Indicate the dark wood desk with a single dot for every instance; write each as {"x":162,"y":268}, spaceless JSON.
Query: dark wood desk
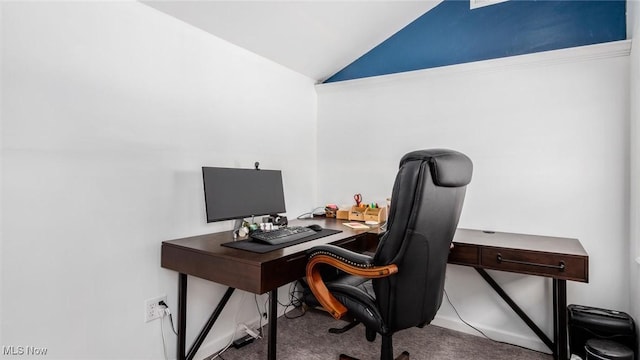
{"x":561,"y":259}
{"x":203,"y":256}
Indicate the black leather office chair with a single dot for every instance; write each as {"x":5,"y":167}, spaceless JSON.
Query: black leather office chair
{"x":409,"y":265}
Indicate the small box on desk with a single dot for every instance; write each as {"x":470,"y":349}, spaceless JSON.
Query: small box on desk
{"x":330,"y":213}
{"x":357,"y":213}
{"x":364,"y":213}
{"x":343,"y":214}
{"x":375,"y":214}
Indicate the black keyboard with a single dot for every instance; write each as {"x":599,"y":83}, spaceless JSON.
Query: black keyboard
{"x":282,"y":235}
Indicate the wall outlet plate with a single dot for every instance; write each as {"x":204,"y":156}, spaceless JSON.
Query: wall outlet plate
{"x":152,"y":310}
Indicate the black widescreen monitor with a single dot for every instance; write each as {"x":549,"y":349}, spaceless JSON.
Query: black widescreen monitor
{"x":231,"y":193}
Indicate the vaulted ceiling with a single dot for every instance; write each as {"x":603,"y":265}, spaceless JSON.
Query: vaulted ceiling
{"x":315,"y":38}
{"x":330,"y":40}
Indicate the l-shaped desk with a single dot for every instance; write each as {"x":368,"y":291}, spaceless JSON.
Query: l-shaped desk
{"x":203,"y":256}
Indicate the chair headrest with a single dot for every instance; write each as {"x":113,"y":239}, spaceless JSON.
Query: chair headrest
{"x":449,"y":168}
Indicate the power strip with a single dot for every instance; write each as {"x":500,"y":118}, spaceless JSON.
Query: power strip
{"x":243,"y":341}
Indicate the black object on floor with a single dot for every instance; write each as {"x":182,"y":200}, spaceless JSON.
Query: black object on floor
{"x":600,"y":349}
{"x":245,"y":340}
{"x":587,"y":323}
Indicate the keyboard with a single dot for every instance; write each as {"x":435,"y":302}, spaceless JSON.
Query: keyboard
{"x":282,"y":235}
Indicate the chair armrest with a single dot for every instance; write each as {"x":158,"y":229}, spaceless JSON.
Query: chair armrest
{"x":345,"y":260}
{"x":348,"y":256}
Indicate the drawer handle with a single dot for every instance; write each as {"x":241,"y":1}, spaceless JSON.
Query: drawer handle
{"x":559,"y":267}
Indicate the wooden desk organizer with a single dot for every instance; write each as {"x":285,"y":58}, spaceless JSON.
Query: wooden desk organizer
{"x":343,"y":214}
{"x":363,"y":213}
{"x":357,"y":213}
{"x":376,"y":214}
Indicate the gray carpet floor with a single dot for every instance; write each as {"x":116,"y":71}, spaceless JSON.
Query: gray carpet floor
{"x":307,"y":338}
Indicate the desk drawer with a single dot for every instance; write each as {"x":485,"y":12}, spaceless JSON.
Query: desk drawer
{"x":534,"y":263}
{"x":282,"y":271}
{"x":361,"y":244}
{"x":464,"y":255}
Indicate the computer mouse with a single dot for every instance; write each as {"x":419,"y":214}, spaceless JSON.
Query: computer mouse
{"x":315,"y":227}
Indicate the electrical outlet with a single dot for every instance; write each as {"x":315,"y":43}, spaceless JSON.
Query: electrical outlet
{"x":152,"y":310}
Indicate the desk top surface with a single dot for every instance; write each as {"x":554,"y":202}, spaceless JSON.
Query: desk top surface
{"x":547,"y":244}
{"x":204,"y":256}
{"x":211,"y":243}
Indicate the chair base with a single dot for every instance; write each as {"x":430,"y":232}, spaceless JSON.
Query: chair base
{"x":403,"y":356}
{"x":345,"y":328}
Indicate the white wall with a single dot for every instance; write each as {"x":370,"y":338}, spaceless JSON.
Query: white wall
{"x":109,"y":109}
{"x":633,"y":15}
{"x":1,"y":174}
{"x":548,"y":135}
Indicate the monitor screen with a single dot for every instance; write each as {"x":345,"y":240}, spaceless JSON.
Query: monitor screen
{"x":239,"y":193}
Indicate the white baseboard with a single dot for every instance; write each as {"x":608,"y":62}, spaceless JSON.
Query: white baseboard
{"x":528,"y":342}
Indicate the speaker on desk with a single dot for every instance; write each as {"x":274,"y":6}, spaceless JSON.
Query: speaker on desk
{"x":586,"y":323}
{"x":279,"y":220}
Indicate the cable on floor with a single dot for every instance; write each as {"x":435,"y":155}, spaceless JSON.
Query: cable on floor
{"x":216,"y":355}
{"x":260,"y":313}
{"x":164,"y":343}
{"x":233,"y":334}
{"x":294,"y":301}
{"x":482,"y":333}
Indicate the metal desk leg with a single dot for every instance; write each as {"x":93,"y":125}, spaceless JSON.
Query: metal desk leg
{"x":560,"y":319}
{"x":512,"y":304}
{"x":182,"y":320}
{"x":209,"y":324}
{"x":273,"y":324}
{"x":182,"y":316}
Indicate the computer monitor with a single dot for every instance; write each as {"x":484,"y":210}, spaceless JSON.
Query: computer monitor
{"x":232,"y":193}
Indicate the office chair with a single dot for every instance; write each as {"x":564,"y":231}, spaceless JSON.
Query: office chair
{"x":407,"y":270}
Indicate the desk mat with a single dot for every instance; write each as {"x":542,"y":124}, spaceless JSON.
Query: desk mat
{"x":262,"y":248}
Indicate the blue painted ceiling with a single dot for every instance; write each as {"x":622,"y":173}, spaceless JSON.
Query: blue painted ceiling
{"x":452,"y":33}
